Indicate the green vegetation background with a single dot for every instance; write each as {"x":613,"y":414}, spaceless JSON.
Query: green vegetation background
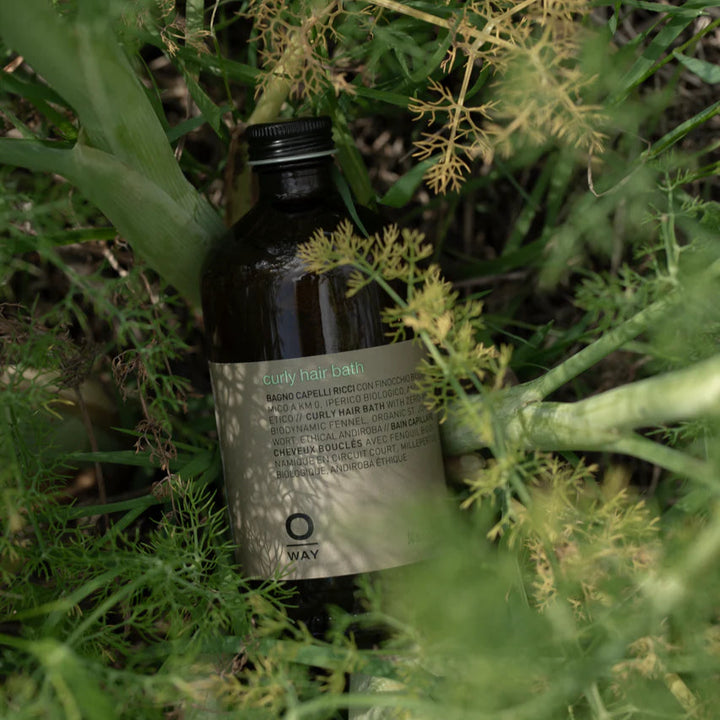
{"x":557,"y":162}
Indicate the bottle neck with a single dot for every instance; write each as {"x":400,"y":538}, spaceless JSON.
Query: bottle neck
{"x":296,"y":180}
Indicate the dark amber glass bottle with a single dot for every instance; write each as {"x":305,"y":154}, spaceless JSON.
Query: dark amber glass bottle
{"x":259,"y":302}
{"x":302,"y":379}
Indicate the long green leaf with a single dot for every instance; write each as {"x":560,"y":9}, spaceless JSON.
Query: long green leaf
{"x":194,"y":19}
{"x":645,"y":65}
{"x":83,"y":61}
{"x":41,"y":96}
{"x":327,"y":656}
{"x":218,"y":66}
{"x":138,"y":504}
{"x":383,"y":96}
{"x":351,"y":161}
{"x":212,"y":113}
{"x":167,"y":234}
{"x":56,"y":609}
{"x":706,"y":71}
{"x":531,"y":208}
{"x":678,"y":133}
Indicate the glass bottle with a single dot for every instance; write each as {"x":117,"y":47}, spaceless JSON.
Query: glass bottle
{"x":321,"y":438}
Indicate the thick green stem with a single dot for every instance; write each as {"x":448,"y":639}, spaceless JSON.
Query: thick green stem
{"x":267,"y":109}
{"x":167,"y":234}
{"x":604,"y":422}
{"x":278,"y":87}
{"x":668,"y":458}
{"x":124,"y":163}
{"x":589,"y":356}
{"x":83,"y":61}
{"x":274,"y":94}
{"x":608,"y":342}
{"x":680,"y":395}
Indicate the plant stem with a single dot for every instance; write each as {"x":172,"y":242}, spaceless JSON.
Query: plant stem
{"x":278,"y":86}
{"x":469,"y":407}
{"x":274,"y":93}
{"x":282,"y":76}
{"x":671,"y":397}
{"x":671,"y":55}
{"x":87,"y":422}
{"x":123,"y":162}
{"x":667,"y":232}
{"x":457,"y":112}
{"x":604,"y":422}
{"x":668,"y":458}
{"x":586,"y":358}
{"x":468,"y":30}
{"x":595,"y":700}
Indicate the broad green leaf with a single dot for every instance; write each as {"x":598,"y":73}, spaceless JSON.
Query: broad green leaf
{"x":194,"y":18}
{"x":35,"y":155}
{"x":169,"y":235}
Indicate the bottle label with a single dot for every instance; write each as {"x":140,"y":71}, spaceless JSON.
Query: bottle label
{"x":324,"y":458}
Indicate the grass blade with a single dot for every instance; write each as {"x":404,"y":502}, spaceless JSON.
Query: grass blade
{"x":707,"y":72}
{"x":678,"y":133}
{"x":646,"y":64}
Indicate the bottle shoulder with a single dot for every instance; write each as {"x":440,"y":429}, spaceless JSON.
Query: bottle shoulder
{"x":269,"y":234}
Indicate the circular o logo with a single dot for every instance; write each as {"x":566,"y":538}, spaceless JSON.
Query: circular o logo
{"x":299,"y":526}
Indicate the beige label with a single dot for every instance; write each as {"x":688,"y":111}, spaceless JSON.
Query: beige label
{"x":324,"y":458}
